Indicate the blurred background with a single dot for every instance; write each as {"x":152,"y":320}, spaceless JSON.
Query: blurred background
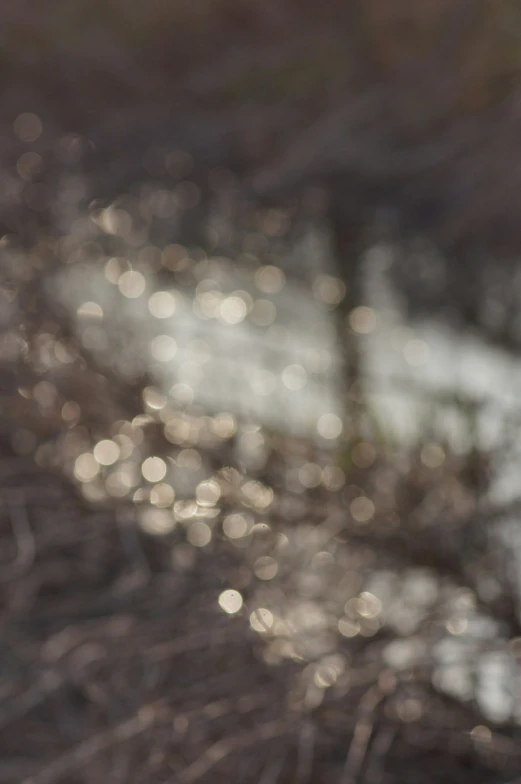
{"x":259,"y":384}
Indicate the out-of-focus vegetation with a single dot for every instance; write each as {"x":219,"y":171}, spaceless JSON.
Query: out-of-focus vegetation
{"x":412,"y":108}
{"x":221,"y":559}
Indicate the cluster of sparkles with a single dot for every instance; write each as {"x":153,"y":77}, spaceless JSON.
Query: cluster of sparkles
{"x":286,"y":510}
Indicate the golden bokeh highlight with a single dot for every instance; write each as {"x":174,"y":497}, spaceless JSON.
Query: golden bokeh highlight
{"x":230,"y":601}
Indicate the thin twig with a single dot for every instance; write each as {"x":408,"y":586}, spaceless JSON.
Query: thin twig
{"x":272,"y":771}
{"x":49,"y":683}
{"x":145,"y":718}
{"x":223,"y":748}
{"x":306,"y":748}
{"x":23,"y":536}
{"x":379,"y":751}
{"x":362,"y":735}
